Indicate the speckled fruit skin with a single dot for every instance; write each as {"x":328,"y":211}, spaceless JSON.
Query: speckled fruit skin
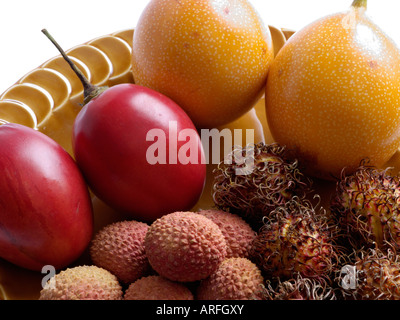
{"x":184,"y":246}
{"x":332,"y":94}
{"x":211,"y":57}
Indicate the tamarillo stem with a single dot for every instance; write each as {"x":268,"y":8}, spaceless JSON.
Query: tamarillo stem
{"x":90,"y":91}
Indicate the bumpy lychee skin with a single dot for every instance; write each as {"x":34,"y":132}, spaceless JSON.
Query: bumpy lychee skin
{"x":157,"y":288}
{"x":295,"y":239}
{"x":367,"y":206}
{"x":82,"y":283}
{"x":234,"y":279}
{"x":185,"y":246}
{"x":254,"y":180}
{"x":374,"y":275}
{"x":119,"y":248}
{"x":237,"y":232}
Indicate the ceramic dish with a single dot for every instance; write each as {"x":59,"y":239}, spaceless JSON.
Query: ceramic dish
{"x":48,"y":99}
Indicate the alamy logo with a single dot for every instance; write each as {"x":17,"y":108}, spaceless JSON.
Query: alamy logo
{"x":49,"y":281}
{"x":165,"y":150}
{"x":348,"y":277}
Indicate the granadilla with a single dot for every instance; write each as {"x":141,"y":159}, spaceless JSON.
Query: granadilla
{"x":296,"y":239}
{"x":366,"y":205}
{"x":254,"y":180}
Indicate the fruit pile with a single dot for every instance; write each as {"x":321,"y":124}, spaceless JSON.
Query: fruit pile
{"x":181,"y":255}
{"x":271,"y":232}
{"x":344,"y":250}
{"x":296,"y":251}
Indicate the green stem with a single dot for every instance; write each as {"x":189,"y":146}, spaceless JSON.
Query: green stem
{"x":89,"y":91}
{"x":360,"y":4}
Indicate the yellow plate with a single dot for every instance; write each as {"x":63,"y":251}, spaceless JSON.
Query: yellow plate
{"x":48,"y":99}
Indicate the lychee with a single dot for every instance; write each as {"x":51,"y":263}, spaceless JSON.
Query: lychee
{"x":119,"y":248}
{"x":234,"y":279}
{"x":82,"y":283}
{"x":237,"y":232}
{"x":185,"y":246}
{"x":157,"y":288}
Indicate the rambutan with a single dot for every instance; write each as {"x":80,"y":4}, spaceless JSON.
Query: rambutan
{"x":295,"y":238}
{"x":373,"y":275}
{"x":300,"y":288}
{"x":254,"y":180}
{"x":366,"y":205}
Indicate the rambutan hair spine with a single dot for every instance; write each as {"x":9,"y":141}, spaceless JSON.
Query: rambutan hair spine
{"x":366,"y":205}
{"x":275,"y":177}
{"x":299,"y":288}
{"x":296,"y":238}
{"x":370,"y":274}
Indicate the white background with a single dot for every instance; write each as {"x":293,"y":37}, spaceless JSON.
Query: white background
{"x":73,"y":22}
